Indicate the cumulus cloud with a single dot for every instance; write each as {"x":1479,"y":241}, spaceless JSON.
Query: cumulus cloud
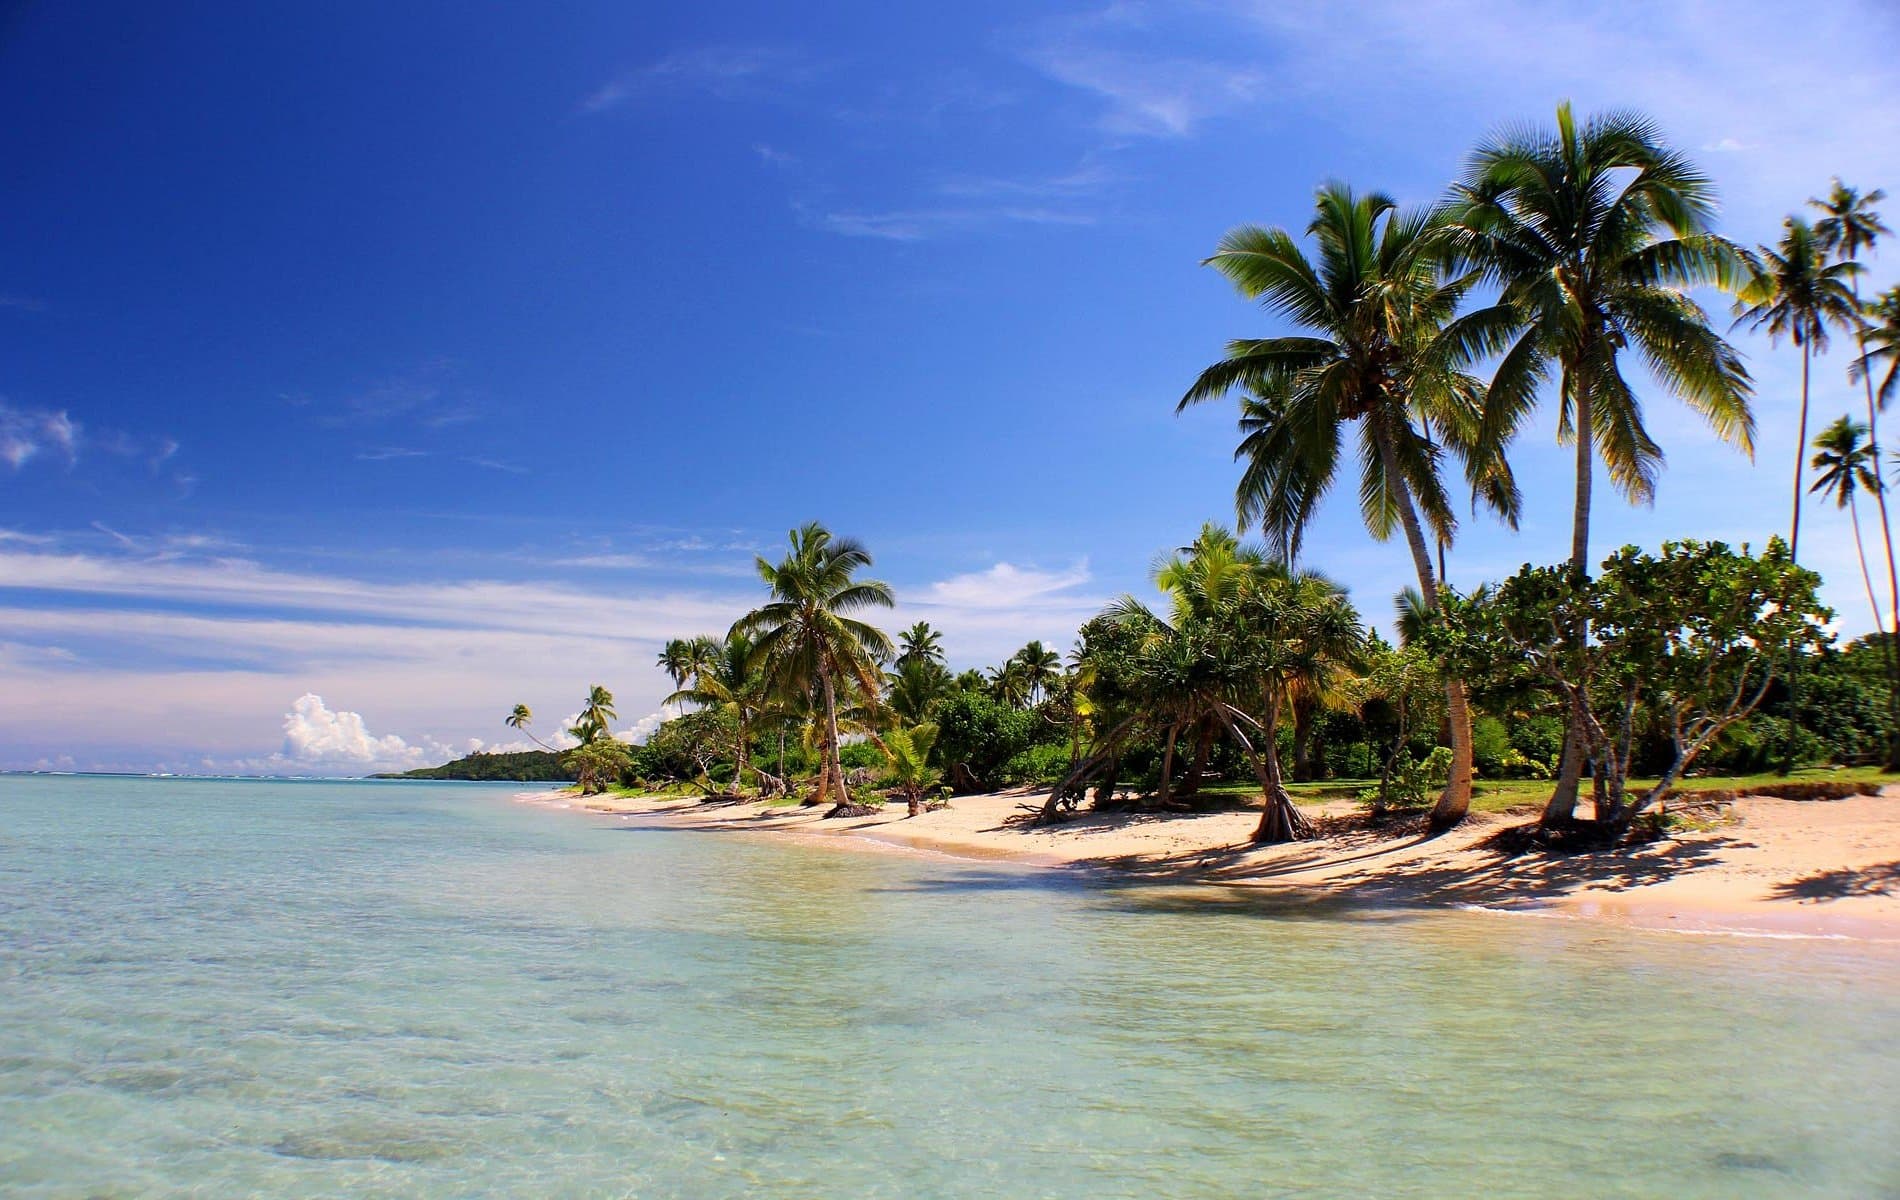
{"x":317,"y":737}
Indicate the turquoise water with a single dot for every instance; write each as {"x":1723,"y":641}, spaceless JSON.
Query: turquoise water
{"x":303,"y":989}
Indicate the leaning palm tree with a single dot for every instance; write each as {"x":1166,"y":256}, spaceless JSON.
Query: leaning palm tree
{"x":1795,"y":292}
{"x":730,"y":684}
{"x":519,"y":719}
{"x":806,"y":639}
{"x":1593,"y":233}
{"x":1369,"y":356}
{"x":1844,"y":459}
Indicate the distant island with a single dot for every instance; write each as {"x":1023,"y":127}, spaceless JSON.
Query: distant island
{"x":521,"y":766}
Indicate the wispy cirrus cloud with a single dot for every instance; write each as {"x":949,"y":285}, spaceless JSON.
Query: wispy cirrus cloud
{"x":28,"y":433}
{"x":917,"y":224}
{"x":724,"y":72}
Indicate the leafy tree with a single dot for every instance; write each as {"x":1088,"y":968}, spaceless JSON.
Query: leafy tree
{"x":598,"y":764}
{"x":977,"y":734}
{"x":1009,"y":683}
{"x":1593,"y":233}
{"x":1690,"y":640}
{"x":1370,"y":356}
{"x":806,"y":638}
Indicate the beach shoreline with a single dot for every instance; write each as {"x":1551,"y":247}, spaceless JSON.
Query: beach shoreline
{"x":1766,"y":867}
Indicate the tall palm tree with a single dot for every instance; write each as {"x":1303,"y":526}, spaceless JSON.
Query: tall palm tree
{"x":1041,"y":669}
{"x":806,"y":639}
{"x":1845,"y":462}
{"x":1593,"y":233}
{"x":920,"y":643}
{"x":1795,"y":292}
{"x":1849,"y":227}
{"x":596,"y":717}
{"x":1370,"y":356}
{"x":731,"y":684}
{"x":519,"y":719}
{"x":1882,"y":353}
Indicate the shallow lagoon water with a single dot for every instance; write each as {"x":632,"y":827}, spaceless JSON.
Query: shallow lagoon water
{"x":315,"y":989}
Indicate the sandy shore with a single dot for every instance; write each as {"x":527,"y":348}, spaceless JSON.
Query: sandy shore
{"x":1821,"y":867}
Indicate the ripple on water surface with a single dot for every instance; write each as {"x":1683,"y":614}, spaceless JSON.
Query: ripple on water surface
{"x":381,"y":989}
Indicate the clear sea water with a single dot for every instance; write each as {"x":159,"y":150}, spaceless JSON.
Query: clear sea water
{"x":311,"y":989}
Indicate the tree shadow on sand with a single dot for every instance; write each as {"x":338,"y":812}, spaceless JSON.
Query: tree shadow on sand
{"x":1881,"y":879}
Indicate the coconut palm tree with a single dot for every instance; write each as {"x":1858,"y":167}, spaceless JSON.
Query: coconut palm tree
{"x":907,"y":749}
{"x":1797,"y":293}
{"x":1369,"y":356}
{"x":1844,"y":459}
{"x":1593,"y":233}
{"x":1009,"y":683}
{"x":1881,"y":355}
{"x":519,"y":719}
{"x":1850,"y":226}
{"x":920,"y":643}
{"x":1041,"y":669}
{"x":730,"y":684}
{"x":915,"y":688}
{"x":806,"y":640}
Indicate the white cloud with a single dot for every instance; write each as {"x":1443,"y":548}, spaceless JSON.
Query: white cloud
{"x":1149,"y":96}
{"x":911,"y":225}
{"x":726,"y":72}
{"x":28,"y":432}
{"x":317,"y":737}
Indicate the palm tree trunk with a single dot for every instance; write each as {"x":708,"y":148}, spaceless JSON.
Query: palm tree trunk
{"x":1203,"y":746}
{"x":1167,"y":766}
{"x":1562,"y":805}
{"x":1860,"y":550}
{"x":828,"y":743}
{"x":1280,"y":819}
{"x":1794,"y":555}
{"x":1455,"y":801}
{"x":1800,"y":457}
{"x":1890,"y":654}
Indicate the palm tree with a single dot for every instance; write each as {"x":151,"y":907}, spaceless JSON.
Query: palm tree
{"x":1592,"y":234}
{"x":520,"y":718}
{"x":1040,"y":667}
{"x":920,"y":643}
{"x":915,"y":688}
{"x":1795,"y":292}
{"x":596,"y":717}
{"x":1846,"y":465}
{"x":1882,"y":342}
{"x":1849,"y":226}
{"x":682,"y":658}
{"x":806,"y":640}
{"x":1236,"y":656}
{"x":1009,"y":684}
{"x":731,"y":684}
{"x":1371,"y":309}
{"x":907,"y":749}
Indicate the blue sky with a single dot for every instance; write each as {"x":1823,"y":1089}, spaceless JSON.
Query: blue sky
{"x":365,"y":369}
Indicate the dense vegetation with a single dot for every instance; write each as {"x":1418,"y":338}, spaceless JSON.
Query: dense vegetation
{"x":1415,"y":347}
{"x":522,"y":766}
